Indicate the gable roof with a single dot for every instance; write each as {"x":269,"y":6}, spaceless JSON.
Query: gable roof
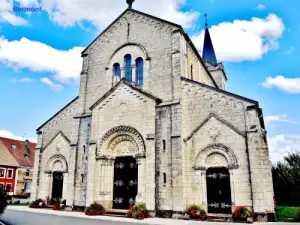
{"x":212,"y":115}
{"x":222,"y":91}
{"x":135,"y":11}
{"x":6,"y":159}
{"x":57,"y":113}
{"x":123,"y":81}
{"x":58,"y":133}
{"x":23,"y":153}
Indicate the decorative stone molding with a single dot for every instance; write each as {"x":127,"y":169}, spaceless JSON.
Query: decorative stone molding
{"x":215,"y":155}
{"x":57,"y":163}
{"x":214,"y":133}
{"x":121,"y":140}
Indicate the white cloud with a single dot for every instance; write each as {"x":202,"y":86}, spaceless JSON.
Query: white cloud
{"x":26,"y":80}
{"x":51,"y":84}
{"x":243,"y":40}
{"x":261,"y":7}
{"x":8,"y":134}
{"x":102,"y":12}
{"x":7,"y":15}
{"x":281,"y":145}
{"x":290,"y":85}
{"x":280,"y":118}
{"x":64,"y":65}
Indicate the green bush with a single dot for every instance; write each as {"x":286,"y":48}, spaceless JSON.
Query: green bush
{"x":39,"y":203}
{"x":3,"y":201}
{"x":195,"y":212}
{"x":95,"y":209}
{"x":138,"y":211}
{"x":241,"y":214}
{"x":286,"y":213}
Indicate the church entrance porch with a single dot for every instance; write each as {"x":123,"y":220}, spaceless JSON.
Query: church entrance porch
{"x":125,"y":182}
{"x":218,"y":190}
{"x":57,"y":185}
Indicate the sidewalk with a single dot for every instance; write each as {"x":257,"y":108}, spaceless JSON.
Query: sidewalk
{"x":158,"y":221}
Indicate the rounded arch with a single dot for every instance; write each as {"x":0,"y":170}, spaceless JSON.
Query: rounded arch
{"x":216,"y":155}
{"x":57,"y":163}
{"x":134,"y":49}
{"x":121,"y":141}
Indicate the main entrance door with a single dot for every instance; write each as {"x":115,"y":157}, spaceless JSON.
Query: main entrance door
{"x":57,"y":186}
{"x":218,"y":190}
{"x":125,"y":182}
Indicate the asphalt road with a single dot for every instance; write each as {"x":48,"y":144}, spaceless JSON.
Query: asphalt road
{"x":12,"y":217}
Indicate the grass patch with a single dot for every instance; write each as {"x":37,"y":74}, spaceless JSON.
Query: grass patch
{"x":286,"y":213}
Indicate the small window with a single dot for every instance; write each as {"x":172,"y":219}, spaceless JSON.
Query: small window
{"x":164,"y":145}
{"x":128,"y":68}
{"x":2,"y":172}
{"x":27,"y":172}
{"x":14,"y":147}
{"x":165,"y":178}
{"x":139,"y":77}
{"x":117,"y":70}
{"x":10,"y":173}
{"x":8,"y":187}
{"x":192,"y":72}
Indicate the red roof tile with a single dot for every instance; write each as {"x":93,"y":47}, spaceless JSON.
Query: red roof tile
{"x":23,"y":151}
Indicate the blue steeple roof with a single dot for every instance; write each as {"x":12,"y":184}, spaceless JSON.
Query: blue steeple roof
{"x":208,"y":54}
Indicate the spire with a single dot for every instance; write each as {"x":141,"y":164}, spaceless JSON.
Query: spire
{"x":208,"y":54}
{"x":129,"y":2}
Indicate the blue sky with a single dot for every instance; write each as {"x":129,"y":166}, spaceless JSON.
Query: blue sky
{"x":257,"y":41}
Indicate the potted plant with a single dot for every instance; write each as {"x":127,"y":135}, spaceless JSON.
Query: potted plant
{"x":195,"y":212}
{"x":242,"y":214}
{"x":138,"y":211}
{"x":95,"y":209}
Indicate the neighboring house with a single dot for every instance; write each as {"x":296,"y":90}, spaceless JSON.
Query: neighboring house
{"x":21,"y":154}
{"x":154,"y":123}
{"x":8,"y":169}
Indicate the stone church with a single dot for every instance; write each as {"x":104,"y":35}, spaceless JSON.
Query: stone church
{"x":154,"y":123}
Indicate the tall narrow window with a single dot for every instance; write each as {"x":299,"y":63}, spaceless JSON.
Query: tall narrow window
{"x":192,"y":72}
{"x":139,"y":78}
{"x":164,"y":145}
{"x":128,"y":68}
{"x":117,"y":70}
{"x":165,"y":178}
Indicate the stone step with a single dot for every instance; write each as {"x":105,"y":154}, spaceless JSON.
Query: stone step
{"x":116,"y":212}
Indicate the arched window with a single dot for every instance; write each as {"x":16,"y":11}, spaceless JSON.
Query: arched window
{"x":139,"y":78}
{"x":192,"y":72}
{"x":117,"y":70}
{"x":128,"y":68}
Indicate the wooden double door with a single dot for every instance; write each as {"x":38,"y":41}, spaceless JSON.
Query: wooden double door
{"x":218,"y":190}
{"x":125,"y":182}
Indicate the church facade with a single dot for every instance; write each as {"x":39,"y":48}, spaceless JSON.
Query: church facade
{"x":153,"y":123}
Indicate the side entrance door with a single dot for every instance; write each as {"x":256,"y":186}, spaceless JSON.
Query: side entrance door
{"x":125,"y":182}
{"x":57,"y":186}
{"x":218,"y":190}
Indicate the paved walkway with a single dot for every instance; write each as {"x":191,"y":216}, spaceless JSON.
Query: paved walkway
{"x":158,"y":221}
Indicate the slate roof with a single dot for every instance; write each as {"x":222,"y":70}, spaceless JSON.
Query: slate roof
{"x":23,"y":153}
{"x":209,"y":54}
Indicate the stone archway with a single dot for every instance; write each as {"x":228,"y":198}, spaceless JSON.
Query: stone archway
{"x":117,"y":145}
{"x":57,"y":169}
{"x":216,"y":163}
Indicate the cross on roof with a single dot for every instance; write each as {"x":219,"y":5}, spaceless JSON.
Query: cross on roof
{"x":206,"y":23}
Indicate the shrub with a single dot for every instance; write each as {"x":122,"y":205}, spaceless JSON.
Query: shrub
{"x":3,"y":201}
{"x":195,"y":212}
{"x":95,"y":209}
{"x":241,"y":213}
{"x":297,"y":219}
{"x":59,"y":206}
{"x":138,"y":211}
{"x":39,"y":203}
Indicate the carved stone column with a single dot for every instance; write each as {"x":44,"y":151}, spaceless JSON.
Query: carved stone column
{"x":204,"y":192}
{"x":91,"y":174}
{"x":50,"y":183}
{"x":141,"y":179}
{"x":71,"y":177}
{"x":133,"y":73}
